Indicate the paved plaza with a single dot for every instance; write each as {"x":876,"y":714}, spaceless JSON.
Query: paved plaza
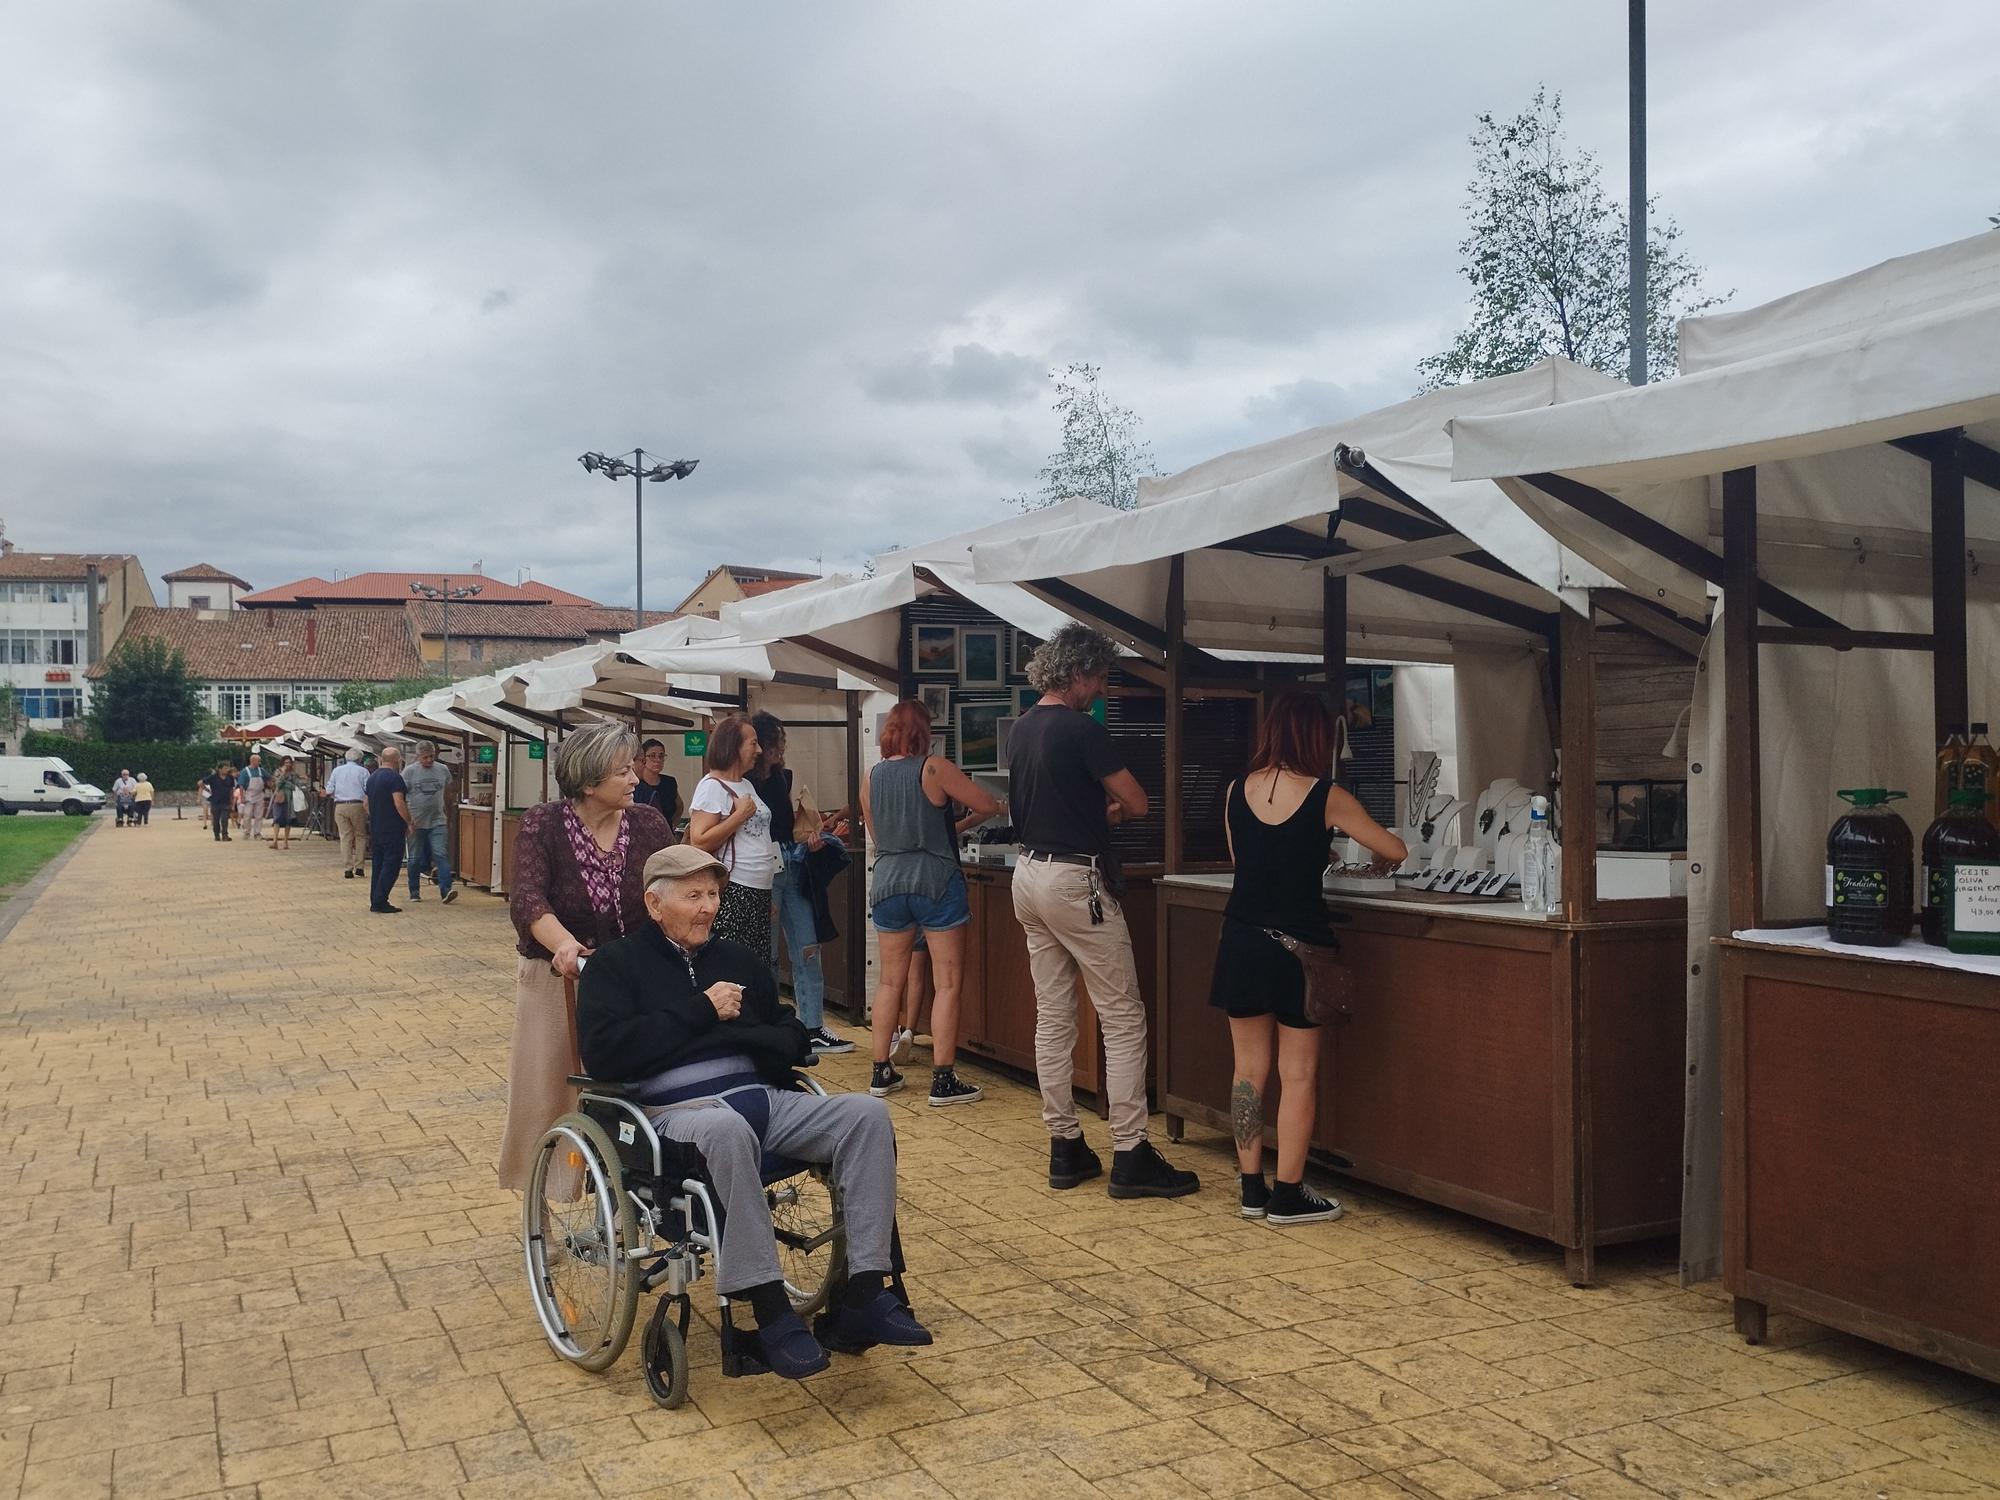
{"x":258,"y":1251}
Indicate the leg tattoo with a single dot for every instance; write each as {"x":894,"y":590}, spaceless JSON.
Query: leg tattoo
{"x":1246,"y":1114}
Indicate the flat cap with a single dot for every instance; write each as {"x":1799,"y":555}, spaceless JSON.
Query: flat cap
{"x":678,"y":862}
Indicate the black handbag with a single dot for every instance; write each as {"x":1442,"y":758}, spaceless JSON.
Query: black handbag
{"x":1329,"y":982}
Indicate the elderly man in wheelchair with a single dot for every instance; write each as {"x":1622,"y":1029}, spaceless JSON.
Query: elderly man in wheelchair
{"x":693,"y":1026}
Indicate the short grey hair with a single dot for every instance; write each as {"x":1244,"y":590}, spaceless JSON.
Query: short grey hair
{"x":590,"y":754}
{"x":354,"y":756}
{"x":1073,"y":651}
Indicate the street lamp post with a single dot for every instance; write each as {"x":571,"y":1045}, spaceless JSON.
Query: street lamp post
{"x":445,"y":593}
{"x":634,"y":465}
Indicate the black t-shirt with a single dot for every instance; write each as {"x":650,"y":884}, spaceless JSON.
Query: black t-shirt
{"x":384,"y":822}
{"x":221,"y":787}
{"x":1059,"y":759}
{"x":775,"y":792}
{"x":665,"y":794}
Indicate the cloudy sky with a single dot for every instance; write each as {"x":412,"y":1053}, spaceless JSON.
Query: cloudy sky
{"x":304,"y":288}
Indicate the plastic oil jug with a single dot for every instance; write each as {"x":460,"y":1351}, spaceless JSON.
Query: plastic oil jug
{"x":1962,"y":833}
{"x":1868,"y":859}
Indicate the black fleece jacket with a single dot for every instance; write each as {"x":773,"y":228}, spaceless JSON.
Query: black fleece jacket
{"x":638,"y":1013}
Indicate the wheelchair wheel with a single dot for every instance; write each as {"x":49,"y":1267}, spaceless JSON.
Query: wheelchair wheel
{"x":664,"y":1351}
{"x":812,"y":1241}
{"x":577,"y":1225}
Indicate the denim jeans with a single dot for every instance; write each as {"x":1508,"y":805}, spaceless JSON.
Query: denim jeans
{"x":795,"y":920}
{"x":427,"y":847}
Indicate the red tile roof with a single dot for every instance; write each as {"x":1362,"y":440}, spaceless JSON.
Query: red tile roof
{"x":553,"y":594}
{"x":59,"y":565}
{"x":739,"y":570}
{"x":571,"y":624}
{"x":203,"y":573}
{"x":772,"y":585}
{"x":347,"y":645}
{"x":387,"y":588}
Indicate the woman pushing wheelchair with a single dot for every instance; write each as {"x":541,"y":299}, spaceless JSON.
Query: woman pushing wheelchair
{"x":693,"y":1023}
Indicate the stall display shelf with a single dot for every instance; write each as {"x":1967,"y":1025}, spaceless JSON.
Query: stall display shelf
{"x":1911,"y":951}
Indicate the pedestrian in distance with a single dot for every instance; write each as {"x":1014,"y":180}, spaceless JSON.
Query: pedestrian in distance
{"x":254,"y":787}
{"x":1068,"y":783}
{"x":918,"y":887}
{"x":577,"y":886}
{"x":388,"y":828}
{"x":124,"y":797}
{"x":347,"y":785}
{"x":142,"y":799}
{"x":430,"y":795}
{"x":810,"y":851}
{"x":1278,"y":820}
{"x":288,"y":798}
{"x":219,"y":791}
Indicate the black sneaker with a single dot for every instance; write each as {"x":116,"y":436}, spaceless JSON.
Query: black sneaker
{"x":823,"y":1040}
{"x":1143,"y":1173}
{"x":1295,"y":1203}
{"x":347,"y":874}
{"x":415,"y":897}
{"x":884,"y":1080}
{"x":948,"y":1088}
{"x":385,"y":911}
{"x":1071,"y":1161}
{"x":1256,"y":1196}
{"x":449,"y":896}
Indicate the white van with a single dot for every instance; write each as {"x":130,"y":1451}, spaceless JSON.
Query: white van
{"x":33,"y":783}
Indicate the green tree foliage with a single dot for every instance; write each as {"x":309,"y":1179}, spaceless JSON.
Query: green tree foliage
{"x":1102,"y":456}
{"x":354,"y":697}
{"x":1545,"y":253}
{"x":312,"y":703}
{"x":146,"y":694}
{"x":172,"y":767}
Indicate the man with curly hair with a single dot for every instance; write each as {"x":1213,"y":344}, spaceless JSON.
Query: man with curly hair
{"x":1068,"y":785}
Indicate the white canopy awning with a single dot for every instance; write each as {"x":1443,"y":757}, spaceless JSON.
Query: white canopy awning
{"x":1430,"y":562}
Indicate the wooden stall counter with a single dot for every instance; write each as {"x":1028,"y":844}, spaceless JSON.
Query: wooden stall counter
{"x":1861,"y":1141}
{"x":475,"y":845}
{"x":1517,"y":1067}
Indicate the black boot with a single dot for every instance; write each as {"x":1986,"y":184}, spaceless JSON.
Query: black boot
{"x":1143,"y":1173}
{"x":1071,"y":1161}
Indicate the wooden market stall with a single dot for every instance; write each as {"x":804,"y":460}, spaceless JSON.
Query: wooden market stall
{"x":1517,"y":1066}
{"x":1843,"y":448}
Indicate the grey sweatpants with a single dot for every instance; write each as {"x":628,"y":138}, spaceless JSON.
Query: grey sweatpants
{"x":851,"y":1132}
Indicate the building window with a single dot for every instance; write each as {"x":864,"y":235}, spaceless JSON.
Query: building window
{"x":232,"y":702}
{"x":478,"y":650}
{"x":46,"y":704}
{"x":198,"y":601}
{"x":274,"y":704}
{"x":24,"y":647}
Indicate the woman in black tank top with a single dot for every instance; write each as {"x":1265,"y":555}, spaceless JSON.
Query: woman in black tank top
{"x":1279,"y":865}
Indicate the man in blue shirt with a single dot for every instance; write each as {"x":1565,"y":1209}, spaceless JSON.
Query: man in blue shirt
{"x":388,"y":826}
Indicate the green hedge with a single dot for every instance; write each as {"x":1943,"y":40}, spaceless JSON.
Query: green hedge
{"x":173,"y":768}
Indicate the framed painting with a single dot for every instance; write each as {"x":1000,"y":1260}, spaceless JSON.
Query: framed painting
{"x":1023,"y":647}
{"x":934,"y":648}
{"x":980,"y":663}
{"x":936,"y":699}
{"x":979,"y":735}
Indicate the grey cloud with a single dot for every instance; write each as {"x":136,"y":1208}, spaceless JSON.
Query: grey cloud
{"x":496,"y":300}
{"x":970,"y":373}
{"x":1307,"y":402}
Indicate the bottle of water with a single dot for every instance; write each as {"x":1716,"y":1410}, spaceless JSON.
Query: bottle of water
{"x":1536,"y":893}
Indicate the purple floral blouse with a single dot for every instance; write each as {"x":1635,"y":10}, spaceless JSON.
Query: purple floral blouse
{"x":548,"y":877}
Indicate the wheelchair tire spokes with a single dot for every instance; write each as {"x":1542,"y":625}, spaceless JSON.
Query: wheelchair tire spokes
{"x":812,"y":1244}
{"x":577,"y":1226}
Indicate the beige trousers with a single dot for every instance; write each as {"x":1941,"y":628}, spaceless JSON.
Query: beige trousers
{"x":351,"y":818}
{"x":1052,"y":902}
{"x":538,"y":1068}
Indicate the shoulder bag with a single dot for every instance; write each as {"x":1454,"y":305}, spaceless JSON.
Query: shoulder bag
{"x":1329,"y":982}
{"x":728,"y":858}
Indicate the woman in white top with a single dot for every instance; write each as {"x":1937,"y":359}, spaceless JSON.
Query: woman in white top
{"x":727,"y":819}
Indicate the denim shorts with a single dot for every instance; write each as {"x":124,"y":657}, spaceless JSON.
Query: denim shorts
{"x":901,"y":913}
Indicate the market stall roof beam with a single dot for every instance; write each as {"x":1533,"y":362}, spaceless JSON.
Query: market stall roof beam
{"x":1464,"y":596}
{"x":1373,"y":515}
{"x":1662,"y":624}
{"x":1982,"y":464}
{"x":1635,"y":525}
{"x":1081,"y":603}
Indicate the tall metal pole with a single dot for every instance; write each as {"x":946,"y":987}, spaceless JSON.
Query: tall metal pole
{"x":1636,"y":47}
{"x":638,"y":541}
{"x":446,"y":581}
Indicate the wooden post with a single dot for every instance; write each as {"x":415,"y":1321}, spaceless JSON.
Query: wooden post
{"x":1742,"y":784}
{"x":1176,"y":688}
{"x":1949,"y":696}
{"x":857,"y":871}
{"x":1333,"y":633}
{"x":1577,"y":634}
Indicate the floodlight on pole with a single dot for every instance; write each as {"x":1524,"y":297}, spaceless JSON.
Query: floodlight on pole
{"x":444,"y":593}
{"x":636,"y":467}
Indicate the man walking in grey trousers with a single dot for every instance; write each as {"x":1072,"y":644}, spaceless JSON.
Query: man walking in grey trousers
{"x":1068,"y":782}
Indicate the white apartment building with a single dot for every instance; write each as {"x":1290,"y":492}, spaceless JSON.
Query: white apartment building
{"x":50,"y":636}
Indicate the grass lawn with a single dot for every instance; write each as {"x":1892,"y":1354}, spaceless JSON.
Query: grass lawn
{"x":28,"y":843}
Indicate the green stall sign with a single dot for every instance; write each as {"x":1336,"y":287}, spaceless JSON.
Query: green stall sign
{"x":694,"y":744}
{"x":538,"y":750}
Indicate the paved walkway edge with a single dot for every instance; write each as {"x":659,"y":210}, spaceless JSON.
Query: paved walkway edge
{"x":17,"y":905}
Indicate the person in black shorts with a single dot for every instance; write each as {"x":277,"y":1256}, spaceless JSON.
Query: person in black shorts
{"x":1278,"y":821}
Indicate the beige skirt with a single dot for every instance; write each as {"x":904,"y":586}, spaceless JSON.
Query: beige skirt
{"x":538,"y":1069}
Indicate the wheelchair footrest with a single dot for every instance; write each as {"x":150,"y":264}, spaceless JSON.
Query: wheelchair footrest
{"x":740,"y":1352}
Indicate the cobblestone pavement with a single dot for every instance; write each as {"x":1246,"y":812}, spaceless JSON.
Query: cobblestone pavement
{"x":258,"y":1251}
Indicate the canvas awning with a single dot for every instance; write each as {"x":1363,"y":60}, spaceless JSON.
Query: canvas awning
{"x":1430,"y":563}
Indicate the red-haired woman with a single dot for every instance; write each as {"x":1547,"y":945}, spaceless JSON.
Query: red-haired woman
{"x":917,"y":886}
{"x":1278,"y":820}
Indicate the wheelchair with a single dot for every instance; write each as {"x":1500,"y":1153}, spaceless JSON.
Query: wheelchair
{"x":613,"y":1209}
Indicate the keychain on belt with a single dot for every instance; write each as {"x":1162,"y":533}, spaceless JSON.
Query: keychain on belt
{"x":1096,"y":897}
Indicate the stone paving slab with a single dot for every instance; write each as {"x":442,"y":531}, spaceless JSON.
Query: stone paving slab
{"x":259,"y":1253}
